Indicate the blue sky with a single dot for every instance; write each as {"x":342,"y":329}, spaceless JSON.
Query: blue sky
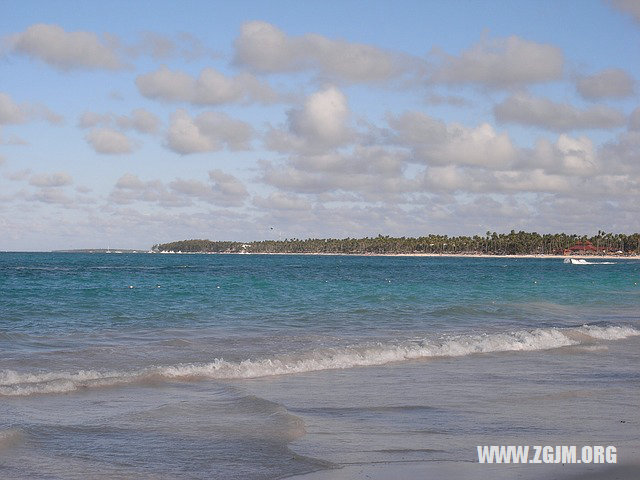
{"x":126,"y":124}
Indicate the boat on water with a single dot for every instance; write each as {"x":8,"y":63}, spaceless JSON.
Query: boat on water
{"x":576,"y":261}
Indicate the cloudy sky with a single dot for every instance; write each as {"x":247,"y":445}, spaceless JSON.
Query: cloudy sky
{"x":124,"y":124}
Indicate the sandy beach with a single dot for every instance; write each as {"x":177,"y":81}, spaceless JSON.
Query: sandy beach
{"x":481,"y":255}
{"x":434,"y":255}
{"x":465,"y":470}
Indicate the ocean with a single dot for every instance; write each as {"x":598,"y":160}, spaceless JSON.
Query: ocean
{"x":150,"y":366}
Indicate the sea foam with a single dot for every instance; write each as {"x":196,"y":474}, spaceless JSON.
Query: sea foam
{"x":14,"y":383}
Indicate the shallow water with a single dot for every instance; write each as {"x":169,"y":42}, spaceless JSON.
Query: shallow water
{"x":242,"y":366}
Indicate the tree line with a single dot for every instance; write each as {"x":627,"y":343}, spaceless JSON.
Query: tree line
{"x":492,"y":243}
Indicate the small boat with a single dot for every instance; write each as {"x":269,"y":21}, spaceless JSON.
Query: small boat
{"x":576,"y":261}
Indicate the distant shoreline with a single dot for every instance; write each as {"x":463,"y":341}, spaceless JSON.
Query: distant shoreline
{"x":337,"y":254}
{"x":417,"y":254}
{"x":455,"y":255}
{"x":520,"y":244}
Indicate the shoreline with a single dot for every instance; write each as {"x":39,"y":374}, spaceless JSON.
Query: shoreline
{"x":470,"y":469}
{"x":453,"y":255}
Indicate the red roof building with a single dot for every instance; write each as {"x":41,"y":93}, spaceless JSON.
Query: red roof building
{"x":585,"y":248}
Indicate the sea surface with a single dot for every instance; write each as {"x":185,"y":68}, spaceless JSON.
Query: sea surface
{"x":149,"y":366}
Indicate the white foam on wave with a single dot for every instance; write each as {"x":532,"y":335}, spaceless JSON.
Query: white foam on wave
{"x":9,"y":437}
{"x":14,"y":383}
{"x":581,"y":261}
{"x":607,"y":333}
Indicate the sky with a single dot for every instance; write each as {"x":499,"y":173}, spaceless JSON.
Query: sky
{"x":126,"y":124}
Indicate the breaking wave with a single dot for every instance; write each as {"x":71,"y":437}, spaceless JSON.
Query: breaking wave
{"x":14,"y":383}
{"x":9,"y":437}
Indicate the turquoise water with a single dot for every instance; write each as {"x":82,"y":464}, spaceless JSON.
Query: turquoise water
{"x":215,"y":366}
{"x":73,"y":292}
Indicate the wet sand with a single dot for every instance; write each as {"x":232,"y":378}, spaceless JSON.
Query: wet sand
{"x":464,"y":470}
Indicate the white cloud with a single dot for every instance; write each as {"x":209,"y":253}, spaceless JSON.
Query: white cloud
{"x":267,"y":49}
{"x":541,"y":112}
{"x":224,"y":190}
{"x":321,"y":220}
{"x":631,"y":7}
{"x":436,"y":143}
{"x":537,"y":181}
{"x":373,"y":160}
{"x":324,"y":116}
{"x":320,"y":124}
{"x":621,"y":156}
{"x":129,"y":188}
{"x":575,"y":157}
{"x":13,"y":113}
{"x":65,"y":50}
{"x":93,"y":119}
{"x":501,"y":63}
{"x":450,"y":178}
{"x":480,"y":146}
{"x":283,"y":202}
{"x":416,"y":128}
{"x":453,"y":100}
{"x":339,"y":171}
{"x":14,"y":140}
{"x":10,"y":112}
{"x":53,"y":196}
{"x":167,"y":85}
{"x":374,"y":173}
{"x":209,"y":88}
{"x":578,"y":155}
{"x":184,"y":136}
{"x":140,"y":120}
{"x":457,"y":160}
{"x":207,"y":132}
{"x":130,"y":181}
{"x":458,"y":179}
{"x":611,"y":83}
{"x":18,"y":176}
{"x":351,"y":61}
{"x":156,"y":45}
{"x":58,"y":179}
{"x":40,"y":112}
{"x":634,"y":119}
{"x":159,"y":46}
{"x":191,"y":188}
{"x":228,"y":190}
{"x":109,"y":141}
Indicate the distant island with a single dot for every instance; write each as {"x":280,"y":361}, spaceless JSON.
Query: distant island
{"x":492,"y":243}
